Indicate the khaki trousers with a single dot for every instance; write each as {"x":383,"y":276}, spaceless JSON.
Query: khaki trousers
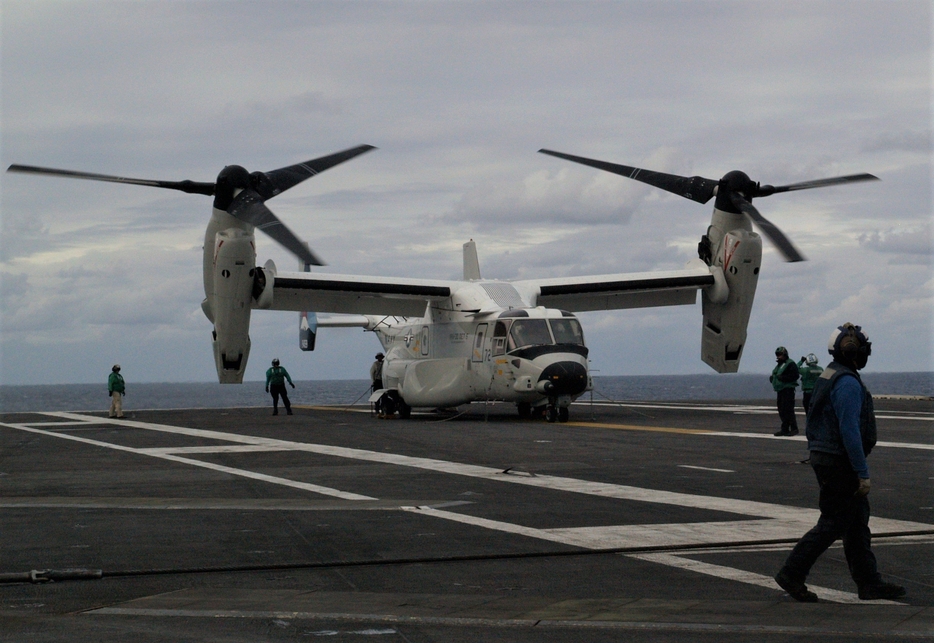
{"x":116,"y":404}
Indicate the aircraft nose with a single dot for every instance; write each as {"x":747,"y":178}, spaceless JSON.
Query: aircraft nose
{"x":563,"y":378}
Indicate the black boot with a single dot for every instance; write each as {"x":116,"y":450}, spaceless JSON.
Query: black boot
{"x":886,"y":591}
{"x":798,"y":591}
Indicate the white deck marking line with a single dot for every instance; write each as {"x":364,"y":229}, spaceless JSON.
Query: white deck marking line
{"x":223,"y":448}
{"x":691,"y":466}
{"x":802,"y":438}
{"x":652,"y":535}
{"x":747,"y":410}
{"x":565,"y":536}
{"x":205,"y":465}
{"x":555,"y":483}
{"x":893,"y":541}
{"x":656,"y":536}
{"x":742,"y":576}
{"x":784,"y":517}
{"x":55,"y":424}
{"x":726,"y":434}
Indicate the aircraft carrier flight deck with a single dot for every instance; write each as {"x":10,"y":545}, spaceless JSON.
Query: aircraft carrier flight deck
{"x":632,"y":521}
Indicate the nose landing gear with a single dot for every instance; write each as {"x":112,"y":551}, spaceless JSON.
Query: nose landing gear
{"x":555,"y":410}
{"x":555,"y":413}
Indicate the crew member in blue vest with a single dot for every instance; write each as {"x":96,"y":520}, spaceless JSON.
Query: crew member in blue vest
{"x":810,"y":370}
{"x":275,"y":380}
{"x":841,"y":431}
{"x":784,"y":379}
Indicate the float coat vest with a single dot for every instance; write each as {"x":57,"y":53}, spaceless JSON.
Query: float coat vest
{"x":777,"y":383}
{"x":823,"y":427}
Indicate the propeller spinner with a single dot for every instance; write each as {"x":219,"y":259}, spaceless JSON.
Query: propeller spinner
{"x":734,"y":192}
{"x":237,"y":192}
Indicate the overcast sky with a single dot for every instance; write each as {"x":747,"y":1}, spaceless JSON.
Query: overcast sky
{"x":458,"y":97}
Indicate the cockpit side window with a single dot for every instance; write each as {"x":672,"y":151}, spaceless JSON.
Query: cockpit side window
{"x":529,"y":332}
{"x":567,"y":331}
{"x":499,"y":338}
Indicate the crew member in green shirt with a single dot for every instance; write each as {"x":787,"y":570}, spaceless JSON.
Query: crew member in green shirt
{"x":810,"y":371}
{"x":275,"y":383}
{"x":116,"y":388}
{"x":784,"y":379}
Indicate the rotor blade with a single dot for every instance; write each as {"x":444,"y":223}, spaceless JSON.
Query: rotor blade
{"x":248,"y":206}
{"x":766,"y":190}
{"x":771,"y":231}
{"x":191,"y":187}
{"x":288,"y":177}
{"x":695,"y":188}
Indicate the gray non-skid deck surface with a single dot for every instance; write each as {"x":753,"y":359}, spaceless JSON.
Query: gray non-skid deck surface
{"x":642,"y":521}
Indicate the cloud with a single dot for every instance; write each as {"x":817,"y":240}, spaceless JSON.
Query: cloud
{"x":458,"y":97}
{"x":918,"y":141}
{"x":910,"y":246}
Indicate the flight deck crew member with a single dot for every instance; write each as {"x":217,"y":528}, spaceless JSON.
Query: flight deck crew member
{"x":810,"y":371}
{"x":376,"y":377}
{"x":275,"y":383}
{"x":841,"y":431}
{"x":784,"y":379}
{"x":116,"y":388}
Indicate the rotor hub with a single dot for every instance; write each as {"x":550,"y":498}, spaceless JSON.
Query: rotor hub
{"x":735,"y":182}
{"x":230,"y":179}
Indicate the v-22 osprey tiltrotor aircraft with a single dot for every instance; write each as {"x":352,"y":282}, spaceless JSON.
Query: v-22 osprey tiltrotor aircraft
{"x":453,"y":342}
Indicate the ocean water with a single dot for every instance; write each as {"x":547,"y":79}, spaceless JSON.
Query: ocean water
{"x":738,"y":387}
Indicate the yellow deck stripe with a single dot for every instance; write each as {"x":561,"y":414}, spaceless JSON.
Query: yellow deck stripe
{"x":633,"y":427}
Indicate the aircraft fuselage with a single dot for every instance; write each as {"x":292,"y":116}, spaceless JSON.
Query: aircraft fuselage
{"x":458,"y":353}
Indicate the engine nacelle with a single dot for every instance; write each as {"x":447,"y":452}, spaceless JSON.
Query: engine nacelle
{"x":739,"y":256}
{"x":234,"y":272}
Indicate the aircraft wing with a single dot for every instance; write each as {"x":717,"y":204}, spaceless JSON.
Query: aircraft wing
{"x":354,"y":294}
{"x":612,"y":292}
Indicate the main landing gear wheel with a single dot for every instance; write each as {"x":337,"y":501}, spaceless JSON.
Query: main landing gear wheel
{"x":563,"y":414}
{"x":551,"y":413}
{"x":405,"y":411}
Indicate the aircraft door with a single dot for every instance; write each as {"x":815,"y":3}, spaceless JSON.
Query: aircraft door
{"x":479,"y":343}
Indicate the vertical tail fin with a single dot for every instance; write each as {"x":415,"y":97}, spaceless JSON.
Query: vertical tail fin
{"x":471,"y":262}
{"x":307,"y":331}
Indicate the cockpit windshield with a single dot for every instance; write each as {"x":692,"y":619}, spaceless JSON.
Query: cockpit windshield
{"x":529,"y":332}
{"x":567,"y":331}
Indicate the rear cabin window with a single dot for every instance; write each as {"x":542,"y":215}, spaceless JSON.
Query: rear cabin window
{"x":529,"y":332}
{"x":567,"y":331}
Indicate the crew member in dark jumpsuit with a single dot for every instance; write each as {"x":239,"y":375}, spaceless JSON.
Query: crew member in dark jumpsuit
{"x":841,"y":431}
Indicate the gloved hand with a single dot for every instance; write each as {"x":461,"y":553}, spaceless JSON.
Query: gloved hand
{"x":863,"y":487}
{"x":292,"y":385}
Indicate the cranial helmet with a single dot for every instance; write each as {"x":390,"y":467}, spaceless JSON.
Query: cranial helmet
{"x":275,"y":362}
{"x":811,"y":359}
{"x":115,"y":368}
{"x":850,"y":343}
{"x":380,"y":356}
{"x":781,"y":350}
